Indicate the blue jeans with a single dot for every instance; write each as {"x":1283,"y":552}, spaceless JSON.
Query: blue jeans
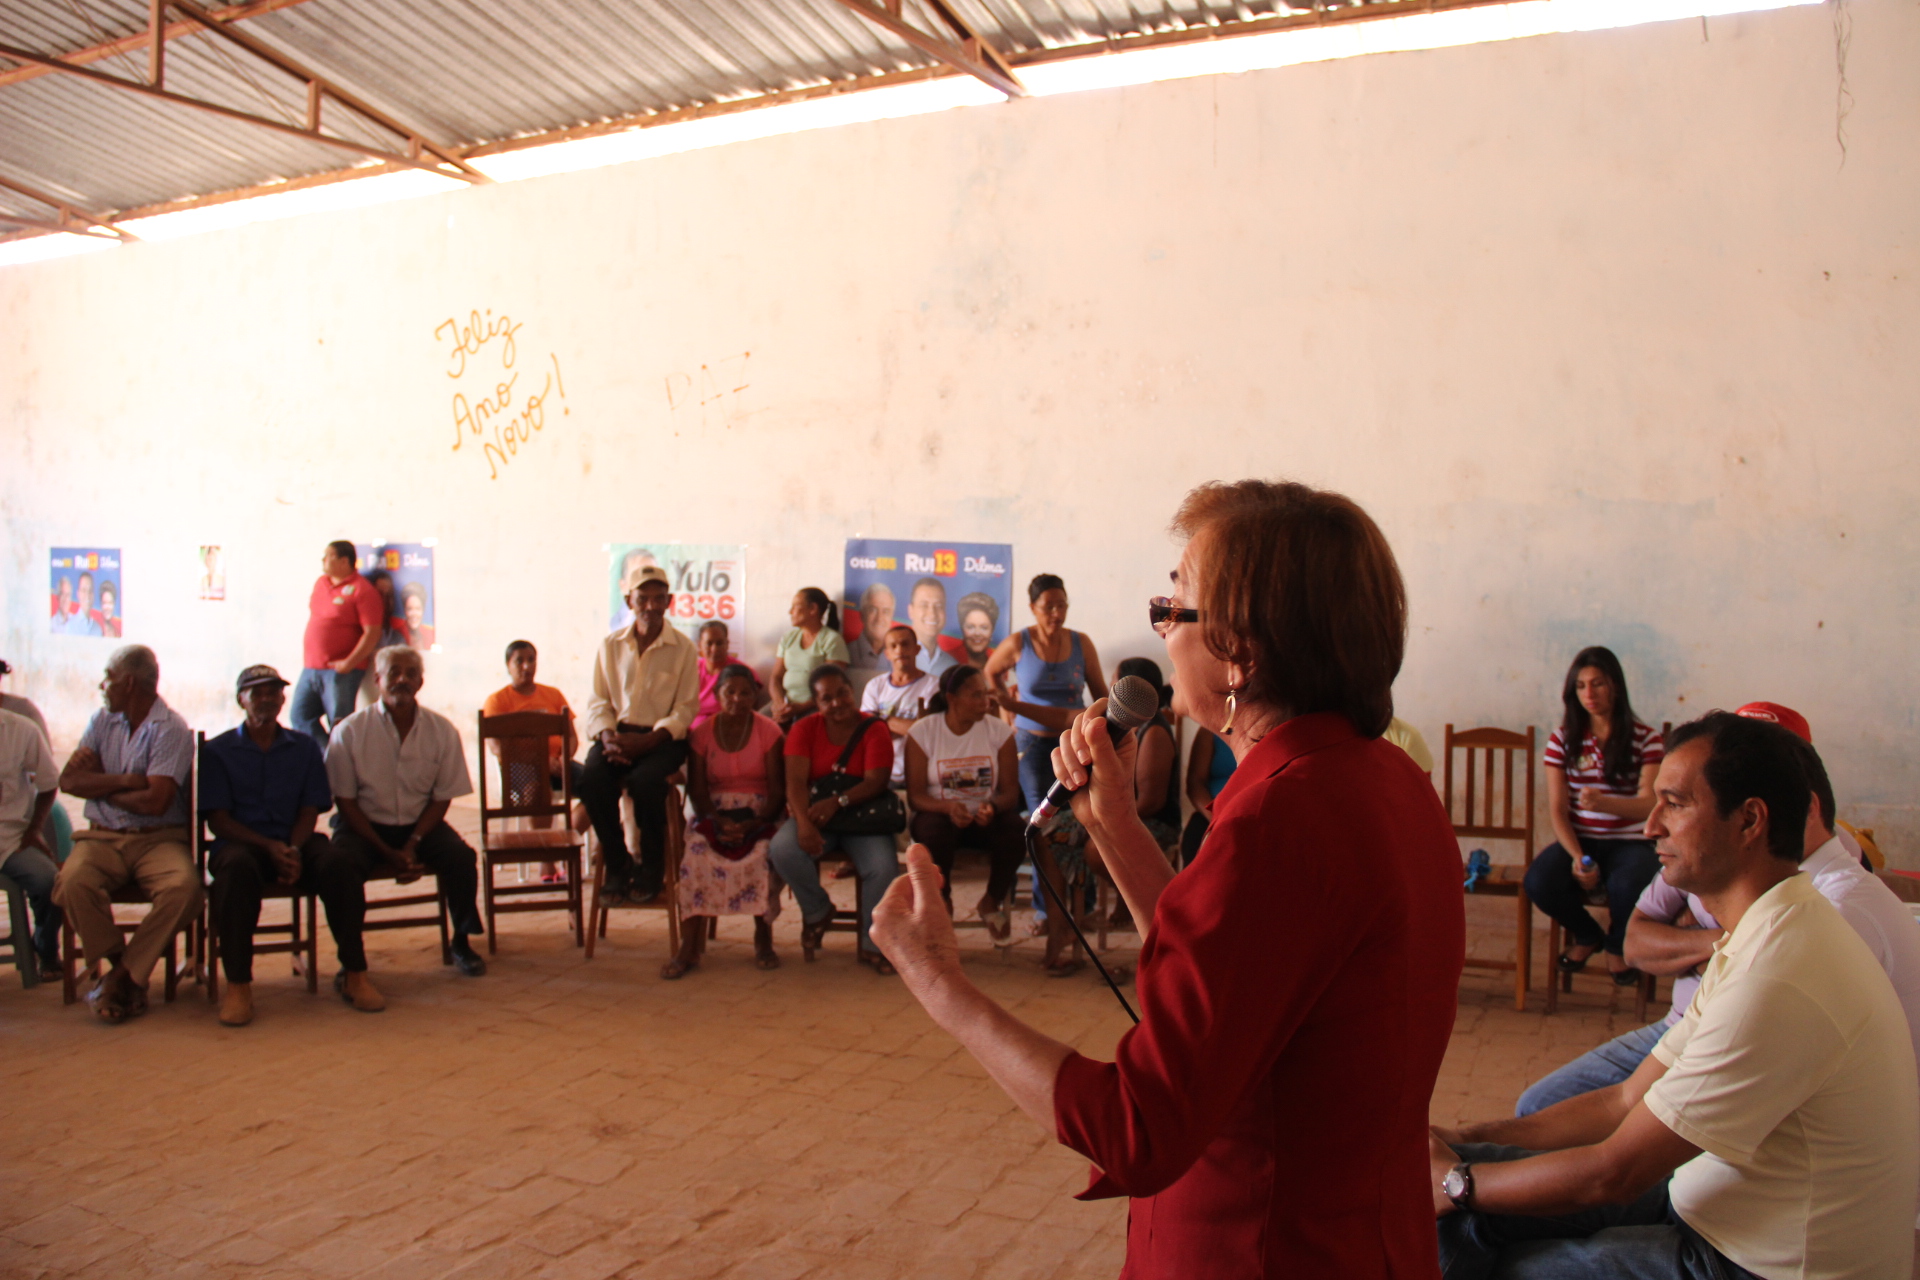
{"x":1645,"y":1240}
{"x":324,"y":691}
{"x":1598,"y":1068}
{"x":34,"y":871}
{"x":873,"y":858}
{"x":1627,"y":867}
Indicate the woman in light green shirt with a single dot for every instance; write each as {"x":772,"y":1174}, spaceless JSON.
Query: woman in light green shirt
{"x":814,"y":639}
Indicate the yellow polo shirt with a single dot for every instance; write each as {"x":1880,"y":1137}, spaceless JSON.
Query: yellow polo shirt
{"x":1794,"y":1074}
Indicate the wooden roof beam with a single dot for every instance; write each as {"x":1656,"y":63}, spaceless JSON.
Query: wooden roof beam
{"x":318,"y":86}
{"x":72,"y":218}
{"x":460,"y":169}
{"x":144,"y":39}
{"x":975,"y":58}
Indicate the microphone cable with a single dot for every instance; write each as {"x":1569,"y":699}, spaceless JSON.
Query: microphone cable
{"x":1070,"y":910}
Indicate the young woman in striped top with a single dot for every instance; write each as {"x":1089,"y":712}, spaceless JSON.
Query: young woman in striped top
{"x":1600,"y":762}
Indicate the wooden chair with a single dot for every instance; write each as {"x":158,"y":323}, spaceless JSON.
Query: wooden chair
{"x":1502,"y":811}
{"x":296,"y":939}
{"x":669,"y":899}
{"x":520,"y":742}
{"x":19,"y":939}
{"x":132,"y":895}
{"x":843,"y":920}
{"x":71,"y":961}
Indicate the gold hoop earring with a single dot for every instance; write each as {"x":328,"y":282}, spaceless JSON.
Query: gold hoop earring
{"x":1233,"y":705}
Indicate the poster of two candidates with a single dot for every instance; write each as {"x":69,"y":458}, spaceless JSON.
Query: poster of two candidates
{"x":708,"y":581}
{"x":402,"y":572}
{"x":957,"y":597}
{"x":83,"y":593}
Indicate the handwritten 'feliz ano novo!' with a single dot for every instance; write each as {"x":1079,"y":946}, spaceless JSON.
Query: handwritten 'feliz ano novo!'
{"x":504,"y":417}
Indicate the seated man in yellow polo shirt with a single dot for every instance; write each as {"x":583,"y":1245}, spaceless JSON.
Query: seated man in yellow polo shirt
{"x":1775,"y":1132}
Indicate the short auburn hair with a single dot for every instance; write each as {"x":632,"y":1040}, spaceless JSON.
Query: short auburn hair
{"x":1310,"y":599}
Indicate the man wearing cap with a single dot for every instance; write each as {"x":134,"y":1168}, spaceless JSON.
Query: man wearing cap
{"x":345,"y":615}
{"x":262,"y":789}
{"x":1672,"y":933}
{"x":646,"y":691}
{"x":133,"y":767}
{"x":395,"y":767}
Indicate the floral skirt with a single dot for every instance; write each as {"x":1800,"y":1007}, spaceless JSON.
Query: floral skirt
{"x":727,"y":882}
{"x":1066,"y":840}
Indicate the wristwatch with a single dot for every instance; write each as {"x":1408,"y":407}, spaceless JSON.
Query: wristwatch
{"x":841,"y":799}
{"x":1457,"y":1186}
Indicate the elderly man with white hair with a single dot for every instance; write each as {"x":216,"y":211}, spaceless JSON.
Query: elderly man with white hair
{"x":395,"y":767}
{"x":132,"y":767}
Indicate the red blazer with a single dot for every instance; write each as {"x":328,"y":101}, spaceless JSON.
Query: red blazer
{"x":1269,"y":1114}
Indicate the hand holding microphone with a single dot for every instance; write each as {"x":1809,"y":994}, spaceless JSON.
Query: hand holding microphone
{"x":1132,"y":703}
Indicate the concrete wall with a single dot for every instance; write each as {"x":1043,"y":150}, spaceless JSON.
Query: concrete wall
{"x":1601,"y":327}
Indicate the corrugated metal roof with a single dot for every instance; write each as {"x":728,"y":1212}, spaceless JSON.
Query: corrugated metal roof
{"x":463,"y":73}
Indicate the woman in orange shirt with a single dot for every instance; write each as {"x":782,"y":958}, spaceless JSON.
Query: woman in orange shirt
{"x":522,"y":694}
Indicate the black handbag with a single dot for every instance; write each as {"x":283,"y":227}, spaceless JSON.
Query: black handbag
{"x":881,"y":815}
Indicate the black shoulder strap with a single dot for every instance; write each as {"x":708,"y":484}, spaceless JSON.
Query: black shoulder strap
{"x":846,"y":754}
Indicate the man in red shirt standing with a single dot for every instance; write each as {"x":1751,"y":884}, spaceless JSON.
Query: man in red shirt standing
{"x":344,"y":618}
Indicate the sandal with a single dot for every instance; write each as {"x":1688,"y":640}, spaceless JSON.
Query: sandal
{"x":1064,"y":969}
{"x":766,"y":959}
{"x":811,"y":936}
{"x":999,"y":923}
{"x":676,"y":968}
{"x":1568,"y":964}
{"x":1625,"y":977}
{"x":878,"y":963}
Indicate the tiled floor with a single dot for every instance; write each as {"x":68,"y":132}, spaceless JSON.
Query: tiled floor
{"x":583,"y":1120}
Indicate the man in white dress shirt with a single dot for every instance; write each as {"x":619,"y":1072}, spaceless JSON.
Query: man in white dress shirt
{"x":395,"y":767}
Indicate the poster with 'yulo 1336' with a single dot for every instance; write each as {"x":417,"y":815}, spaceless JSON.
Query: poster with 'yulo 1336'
{"x":708,"y":582}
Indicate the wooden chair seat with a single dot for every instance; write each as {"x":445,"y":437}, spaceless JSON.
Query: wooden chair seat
{"x":535,"y":841}
{"x":519,"y":744}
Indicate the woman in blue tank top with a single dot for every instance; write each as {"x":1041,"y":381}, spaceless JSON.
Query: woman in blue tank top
{"x":1052,"y":669}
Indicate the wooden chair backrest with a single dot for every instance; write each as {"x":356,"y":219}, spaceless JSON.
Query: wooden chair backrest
{"x":1491,"y":805}
{"x":519,"y":743}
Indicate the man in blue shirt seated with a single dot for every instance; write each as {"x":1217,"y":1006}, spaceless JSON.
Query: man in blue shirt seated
{"x":262,"y":789}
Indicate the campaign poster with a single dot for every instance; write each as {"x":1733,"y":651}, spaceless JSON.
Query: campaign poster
{"x":957,"y":596}
{"x":85,"y":592}
{"x":708,"y":581}
{"x":213,"y":574}
{"x":402,"y":572}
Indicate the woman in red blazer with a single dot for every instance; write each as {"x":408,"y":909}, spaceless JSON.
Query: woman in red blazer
{"x":1297,"y":984}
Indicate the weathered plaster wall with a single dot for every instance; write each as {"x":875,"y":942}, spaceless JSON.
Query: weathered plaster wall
{"x":1600,"y":327}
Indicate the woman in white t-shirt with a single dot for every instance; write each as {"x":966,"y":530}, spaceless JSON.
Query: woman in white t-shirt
{"x":963,"y":783}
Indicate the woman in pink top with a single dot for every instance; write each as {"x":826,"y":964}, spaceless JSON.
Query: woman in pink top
{"x":714,"y":658}
{"x":733,"y":767}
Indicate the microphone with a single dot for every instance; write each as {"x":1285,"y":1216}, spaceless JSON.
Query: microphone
{"x":1131,"y":703}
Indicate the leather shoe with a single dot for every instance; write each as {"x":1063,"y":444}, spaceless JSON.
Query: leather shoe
{"x":467,"y":960}
{"x":357,"y":989}
{"x":236,"y":1004}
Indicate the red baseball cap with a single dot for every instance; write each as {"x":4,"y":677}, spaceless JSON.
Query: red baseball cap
{"x":1786,"y":717}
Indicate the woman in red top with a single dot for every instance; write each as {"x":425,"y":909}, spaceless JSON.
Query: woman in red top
{"x":1297,"y":985}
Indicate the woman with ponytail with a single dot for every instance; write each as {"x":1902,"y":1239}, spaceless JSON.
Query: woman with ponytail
{"x":814,"y":639}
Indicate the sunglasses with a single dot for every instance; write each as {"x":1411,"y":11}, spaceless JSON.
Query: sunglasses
{"x":1162,"y":612}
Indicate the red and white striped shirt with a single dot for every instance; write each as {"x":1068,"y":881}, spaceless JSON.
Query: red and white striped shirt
{"x":1588,"y":770}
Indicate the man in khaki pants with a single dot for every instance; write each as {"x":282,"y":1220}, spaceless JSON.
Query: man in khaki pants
{"x":132,"y":768}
